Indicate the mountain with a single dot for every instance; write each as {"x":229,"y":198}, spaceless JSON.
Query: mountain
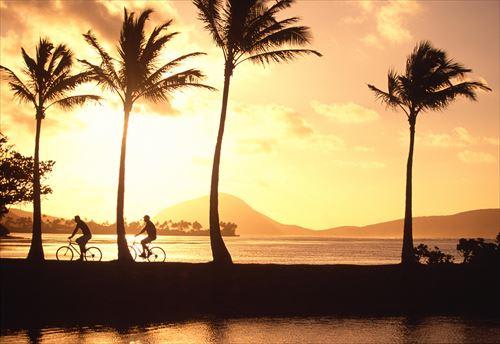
{"x":483,"y":223}
{"x":231,"y":209}
{"x":475,"y":223}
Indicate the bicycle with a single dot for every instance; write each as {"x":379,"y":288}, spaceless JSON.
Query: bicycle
{"x":66,"y":253}
{"x":156,"y":253}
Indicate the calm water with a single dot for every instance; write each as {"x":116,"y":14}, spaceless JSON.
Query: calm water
{"x":283,"y":250}
{"x":278,"y":330}
{"x":279,"y":250}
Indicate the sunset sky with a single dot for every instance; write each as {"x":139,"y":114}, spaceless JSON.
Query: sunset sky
{"x":305,"y":142}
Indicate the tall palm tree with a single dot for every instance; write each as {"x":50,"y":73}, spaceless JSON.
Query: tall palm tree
{"x":246,"y":30}
{"x":430,"y":83}
{"x":47,"y":82}
{"x":135,"y":75}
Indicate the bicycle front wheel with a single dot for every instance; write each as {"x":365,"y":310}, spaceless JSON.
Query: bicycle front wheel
{"x":93,"y":254}
{"x":64,"y":253}
{"x":157,"y":255}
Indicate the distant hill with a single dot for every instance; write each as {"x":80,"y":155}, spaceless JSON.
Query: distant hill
{"x":483,"y":223}
{"x":475,"y":223}
{"x":231,"y":209}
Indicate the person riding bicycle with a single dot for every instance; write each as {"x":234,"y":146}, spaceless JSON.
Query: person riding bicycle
{"x":150,"y":229}
{"x":84,"y":239}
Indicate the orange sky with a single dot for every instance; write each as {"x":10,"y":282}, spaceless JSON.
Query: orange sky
{"x":305,"y":142}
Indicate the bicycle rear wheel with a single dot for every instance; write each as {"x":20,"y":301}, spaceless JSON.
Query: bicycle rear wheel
{"x":64,"y":253}
{"x":93,"y":254}
{"x":133,"y":252}
{"x":157,"y":254}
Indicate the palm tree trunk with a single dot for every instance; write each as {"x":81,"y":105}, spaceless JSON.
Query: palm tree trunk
{"x":407,"y":254}
{"x":220,"y":253}
{"x":123,"y":251}
{"x":36,"y":249}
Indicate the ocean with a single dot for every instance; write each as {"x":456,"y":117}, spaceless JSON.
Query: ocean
{"x":254,"y":250}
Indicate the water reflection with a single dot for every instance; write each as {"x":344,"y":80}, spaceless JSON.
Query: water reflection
{"x":278,"y":330}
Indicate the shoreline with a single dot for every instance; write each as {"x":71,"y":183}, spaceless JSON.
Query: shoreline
{"x":53,"y":292}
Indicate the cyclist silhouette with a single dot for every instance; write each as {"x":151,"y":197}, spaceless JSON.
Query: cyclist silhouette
{"x":150,"y":229}
{"x":84,"y":239}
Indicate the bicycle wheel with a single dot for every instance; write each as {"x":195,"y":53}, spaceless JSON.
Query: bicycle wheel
{"x":133,"y":252}
{"x":64,"y":253}
{"x":93,"y":254}
{"x":157,"y":254}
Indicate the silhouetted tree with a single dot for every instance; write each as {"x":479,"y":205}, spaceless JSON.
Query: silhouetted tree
{"x":16,"y":176}
{"x":432,"y":257}
{"x":183,"y":225}
{"x":135,"y":75}
{"x":246,"y":30}
{"x":48,"y":80}
{"x":431,"y":82}
{"x":478,"y":251}
{"x":196,"y":226}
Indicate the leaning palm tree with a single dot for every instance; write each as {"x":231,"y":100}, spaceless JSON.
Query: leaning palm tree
{"x":431,"y":82}
{"x":246,"y":30}
{"x":47,"y":82}
{"x":134,"y":75}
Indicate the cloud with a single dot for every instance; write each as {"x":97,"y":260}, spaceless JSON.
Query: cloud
{"x":345,"y":112}
{"x":372,"y":40}
{"x":390,"y":20}
{"x":328,"y":142}
{"x":460,"y":137}
{"x":492,"y":140}
{"x":255,"y":146}
{"x":391,"y":17}
{"x":471,"y":157}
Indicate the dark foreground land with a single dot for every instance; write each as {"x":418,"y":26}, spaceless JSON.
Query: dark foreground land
{"x":69,"y":293}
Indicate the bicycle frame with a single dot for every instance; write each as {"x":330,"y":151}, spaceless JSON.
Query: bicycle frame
{"x":135,"y":246}
{"x":74,"y":246}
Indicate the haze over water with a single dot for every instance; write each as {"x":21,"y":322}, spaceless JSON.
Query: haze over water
{"x":255,"y":250}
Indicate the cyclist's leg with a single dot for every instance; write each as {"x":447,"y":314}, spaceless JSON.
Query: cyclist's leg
{"x":145,"y":243}
{"x":81,"y":243}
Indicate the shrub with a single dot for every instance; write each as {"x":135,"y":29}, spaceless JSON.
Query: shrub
{"x":432,"y":257}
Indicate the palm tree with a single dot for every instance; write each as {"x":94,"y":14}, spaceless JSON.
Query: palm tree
{"x":135,"y":75}
{"x":430,"y":83}
{"x":246,"y":30}
{"x":47,"y":82}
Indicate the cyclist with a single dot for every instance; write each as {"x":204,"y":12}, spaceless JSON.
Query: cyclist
{"x":150,"y":229}
{"x":84,"y":239}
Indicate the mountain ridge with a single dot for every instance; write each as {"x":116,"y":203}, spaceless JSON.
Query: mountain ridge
{"x":471,"y":223}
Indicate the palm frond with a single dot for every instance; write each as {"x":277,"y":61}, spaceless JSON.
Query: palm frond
{"x":160,"y":90}
{"x":72,"y":101}
{"x":66,"y":83}
{"x":440,"y":99}
{"x":155,"y":76}
{"x":209,"y":12}
{"x":60,"y":52}
{"x":154,"y":45}
{"x":20,"y":90}
{"x":107,"y":64}
{"x":297,"y":35}
{"x":279,"y":56}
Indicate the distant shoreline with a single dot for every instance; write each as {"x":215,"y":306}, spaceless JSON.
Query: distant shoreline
{"x":36,"y":295}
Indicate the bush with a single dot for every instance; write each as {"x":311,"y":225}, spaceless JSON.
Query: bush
{"x":432,"y":257}
{"x":478,"y":251}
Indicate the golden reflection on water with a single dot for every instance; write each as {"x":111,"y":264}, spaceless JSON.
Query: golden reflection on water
{"x":277,"y":330}
{"x":277,"y":250}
